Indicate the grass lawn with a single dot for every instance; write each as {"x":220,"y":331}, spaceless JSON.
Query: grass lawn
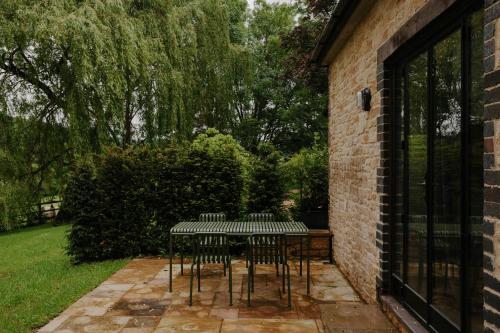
{"x":37,"y":280}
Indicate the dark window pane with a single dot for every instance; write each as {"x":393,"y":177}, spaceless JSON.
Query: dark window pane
{"x":397,"y":263}
{"x":447,"y":63}
{"x":476,"y":182}
{"x":416,"y":173}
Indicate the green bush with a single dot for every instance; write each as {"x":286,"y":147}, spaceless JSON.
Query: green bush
{"x":266,"y":188}
{"x":135,"y":196}
{"x":308,"y":170}
{"x":82,"y":207}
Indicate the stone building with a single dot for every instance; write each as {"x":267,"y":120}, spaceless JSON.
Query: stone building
{"x":414,"y":140}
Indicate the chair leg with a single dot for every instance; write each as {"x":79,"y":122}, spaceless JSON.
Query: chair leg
{"x":182,"y":261}
{"x":199,"y":275}
{"x":283,"y":277}
{"x":191,"y":285}
{"x":224,"y":269}
{"x":249,"y":287}
{"x":289,"y":289}
{"x":277,"y":269}
{"x":300,"y":256}
{"x":230,"y":284}
{"x":254,"y":268}
{"x":246,"y":256}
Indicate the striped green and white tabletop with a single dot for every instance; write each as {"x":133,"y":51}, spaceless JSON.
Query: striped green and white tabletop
{"x":241,"y":228}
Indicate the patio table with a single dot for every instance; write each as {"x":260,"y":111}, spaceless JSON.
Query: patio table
{"x":232,"y":228}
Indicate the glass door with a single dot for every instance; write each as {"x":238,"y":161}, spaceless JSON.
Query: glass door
{"x":438,"y":184}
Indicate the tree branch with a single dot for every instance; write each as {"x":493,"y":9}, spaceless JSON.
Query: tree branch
{"x":9,"y":66}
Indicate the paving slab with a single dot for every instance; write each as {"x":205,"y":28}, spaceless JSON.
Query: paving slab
{"x":355,"y":318}
{"x":136,"y":300}
{"x":189,"y":324}
{"x":269,"y":326}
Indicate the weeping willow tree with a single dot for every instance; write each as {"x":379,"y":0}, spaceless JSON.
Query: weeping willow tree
{"x":77,"y":75}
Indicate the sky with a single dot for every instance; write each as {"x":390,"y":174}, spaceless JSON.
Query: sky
{"x":251,"y":2}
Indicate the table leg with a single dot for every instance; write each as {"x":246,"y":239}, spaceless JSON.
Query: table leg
{"x":170,"y":268}
{"x":300,"y":255}
{"x":308,"y":265}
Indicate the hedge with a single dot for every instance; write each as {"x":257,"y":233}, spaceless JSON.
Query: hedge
{"x":124,"y":203}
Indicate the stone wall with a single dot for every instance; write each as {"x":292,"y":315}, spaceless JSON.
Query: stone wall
{"x":491,"y":241}
{"x":355,"y":147}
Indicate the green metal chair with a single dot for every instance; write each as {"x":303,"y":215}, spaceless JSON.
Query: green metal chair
{"x":210,"y":248}
{"x":212,"y":217}
{"x":271,"y":249}
{"x":261,"y":217}
{"x":204,"y":217}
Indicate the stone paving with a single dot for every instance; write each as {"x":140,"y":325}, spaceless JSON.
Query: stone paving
{"x":136,"y":300}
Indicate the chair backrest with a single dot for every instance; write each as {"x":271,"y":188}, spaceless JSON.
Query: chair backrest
{"x":212,"y":217}
{"x":268,"y":248}
{"x":211,"y":247}
{"x":261,"y":217}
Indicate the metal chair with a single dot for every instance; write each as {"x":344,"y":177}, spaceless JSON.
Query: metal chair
{"x":261,"y":217}
{"x":204,"y":217}
{"x":210,"y":248}
{"x":212,"y":217}
{"x":267,"y":248}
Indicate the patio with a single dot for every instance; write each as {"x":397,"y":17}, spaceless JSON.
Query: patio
{"x":136,"y":299}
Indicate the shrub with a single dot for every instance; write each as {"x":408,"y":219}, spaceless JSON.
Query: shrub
{"x":217,"y":166}
{"x":82,"y":207}
{"x":266,"y":188}
{"x":139,"y":194}
{"x":308,"y":170}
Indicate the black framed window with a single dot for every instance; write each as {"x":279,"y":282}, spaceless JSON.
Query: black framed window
{"x":438,"y":177}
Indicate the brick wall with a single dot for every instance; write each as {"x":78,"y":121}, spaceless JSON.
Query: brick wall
{"x":360,"y":155}
{"x":356,"y":161}
{"x":491,"y":241}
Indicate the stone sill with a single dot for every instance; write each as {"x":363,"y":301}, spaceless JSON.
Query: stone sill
{"x":400,"y":317}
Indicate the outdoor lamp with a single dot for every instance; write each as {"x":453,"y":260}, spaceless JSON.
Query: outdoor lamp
{"x":364,"y":99}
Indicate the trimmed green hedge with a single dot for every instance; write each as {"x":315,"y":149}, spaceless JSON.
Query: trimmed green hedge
{"x":124,"y":203}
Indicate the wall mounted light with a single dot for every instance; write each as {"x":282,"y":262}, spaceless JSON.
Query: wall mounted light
{"x":364,"y":99}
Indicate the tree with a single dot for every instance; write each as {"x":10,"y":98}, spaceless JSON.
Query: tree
{"x":282,"y":107}
{"x":266,"y":186}
{"x":77,"y":75}
{"x":129,"y":70}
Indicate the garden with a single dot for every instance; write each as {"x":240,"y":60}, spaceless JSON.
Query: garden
{"x":119,"y":119}
{"x":122,"y":203}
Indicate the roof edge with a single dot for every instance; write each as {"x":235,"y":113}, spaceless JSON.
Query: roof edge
{"x":340,"y":16}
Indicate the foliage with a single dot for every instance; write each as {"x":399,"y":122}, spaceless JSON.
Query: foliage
{"x":31,"y":167}
{"x":137,"y":195}
{"x":79,"y":75}
{"x":224,"y":178}
{"x":38,"y":281}
{"x":309,"y":169}
{"x":277,"y":107}
{"x":266,"y":188}
{"x":97,"y":65}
